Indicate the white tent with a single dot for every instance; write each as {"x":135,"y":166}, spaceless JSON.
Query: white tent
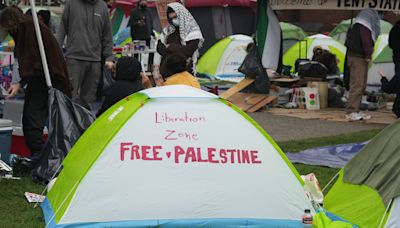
{"x":164,"y":156}
{"x":224,"y":58}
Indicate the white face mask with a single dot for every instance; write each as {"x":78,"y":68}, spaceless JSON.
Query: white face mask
{"x":175,"y":22}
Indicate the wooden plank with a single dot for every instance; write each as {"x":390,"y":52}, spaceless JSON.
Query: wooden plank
{"x":267,"y":100}
{"x":251,"y":102}
{"x":236,"y":88}
{"x":245,"y":101}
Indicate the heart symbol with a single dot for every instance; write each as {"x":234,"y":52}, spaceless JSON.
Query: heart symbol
{"x":168,"y":154}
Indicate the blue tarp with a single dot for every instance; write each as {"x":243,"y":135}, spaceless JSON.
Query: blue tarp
{"x":331,"y":156}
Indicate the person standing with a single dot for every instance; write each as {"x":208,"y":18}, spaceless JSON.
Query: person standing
{"x":182,"y":35}
{"x":86,"y":26}
{"x":141,"y":22}
{"x":30,"y":70}
{"x":360,"y":46}
{"x":394,"y":44}
{"x":393,"y":86}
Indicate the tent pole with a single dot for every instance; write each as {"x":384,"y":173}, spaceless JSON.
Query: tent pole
{"x":62,"y":203}
{"x":384,"y":214}
{"x":40,"y":43}
{"x":329,"y":183}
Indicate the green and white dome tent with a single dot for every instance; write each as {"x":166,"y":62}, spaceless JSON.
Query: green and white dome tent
{"x":382,"y":61}
{"x":165,"y":157}
{"x":291,"y":34}
{"x":340,"y":31}
{"x":326,"y":42}
{"x":224,"y":58}
{"x":367,"y":192}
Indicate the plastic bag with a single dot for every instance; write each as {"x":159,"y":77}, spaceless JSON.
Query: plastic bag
{"x":312,"y":69}
{"x":106,"y":80}
{"x":312,"y":188}
{"x":67,"y":122}
{"x":253,"y":68}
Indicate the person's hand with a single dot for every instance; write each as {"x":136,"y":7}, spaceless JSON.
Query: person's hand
{"x":368,"y":60}
{"x":110,"y":65}
{"x":146,"y":81}
{"x":174,"y":48}
{"x":141,"y":23}
{"x":13,"y":90}
{"x":381,"y":74}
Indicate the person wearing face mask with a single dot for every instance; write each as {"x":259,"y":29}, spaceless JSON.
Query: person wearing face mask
{"x":87,"y":28}
{"x":182,"y":35}
{"x":141,"y":22}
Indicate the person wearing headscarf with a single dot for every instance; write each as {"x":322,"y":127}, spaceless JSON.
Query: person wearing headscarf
{"x":128,"y":81}
{"x":360,"y":46}
{"x":182,"y":35}
{"x":394,"y":44}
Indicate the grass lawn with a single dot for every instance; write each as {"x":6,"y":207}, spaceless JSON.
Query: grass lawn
{"x":16,"y":212}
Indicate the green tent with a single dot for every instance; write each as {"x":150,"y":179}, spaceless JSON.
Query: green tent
{"x":224,"y":58}
{"x":155,"y":159}
{"x":340,"y":31}
{"x":382,"y":61}
{"x":290,"y":35}
{"x":326,"y":42}
{"x":292,"y":32}
{"x":367,"y":192}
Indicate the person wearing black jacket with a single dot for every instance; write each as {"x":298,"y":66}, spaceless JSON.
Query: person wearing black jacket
{"x":128,"y":81}
{"x":393,"y":86}
{"x":141,"y":22}
{"x":394,"y":44}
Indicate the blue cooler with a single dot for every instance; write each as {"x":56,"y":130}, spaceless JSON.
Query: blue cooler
{"x":5,"y":139}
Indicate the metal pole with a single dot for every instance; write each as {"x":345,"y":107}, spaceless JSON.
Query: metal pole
{"x":40,"y":43}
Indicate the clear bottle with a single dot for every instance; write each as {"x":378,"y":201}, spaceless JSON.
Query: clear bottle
{"x":307,"y":218}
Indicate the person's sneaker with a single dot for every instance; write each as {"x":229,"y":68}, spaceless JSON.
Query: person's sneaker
{"x":365,"y":116}
{"x":354,"y":116}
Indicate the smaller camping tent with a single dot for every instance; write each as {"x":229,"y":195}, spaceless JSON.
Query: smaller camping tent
{"x":326,"y":42}
{"x":157,"y":159}
{"x":224,"y":58}
{"x":340,"y":31}
{"x":367,"y":192}
{"x":291,"y":34}
{"x":382,"y":61}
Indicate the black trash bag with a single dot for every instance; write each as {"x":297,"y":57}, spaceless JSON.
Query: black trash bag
{"x":67,"y":122}
{"x":253,"y":68}
{"x":313,"y":69}
{"x":106,"y":80}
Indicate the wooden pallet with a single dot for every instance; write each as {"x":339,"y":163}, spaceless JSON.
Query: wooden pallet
{"x":251,"y":102}
{"x":237,"y":88}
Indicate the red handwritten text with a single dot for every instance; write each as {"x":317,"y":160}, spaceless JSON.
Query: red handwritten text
{"x":212,"y":155}
{"x":147,"y":153}
{"x":175,"y":135}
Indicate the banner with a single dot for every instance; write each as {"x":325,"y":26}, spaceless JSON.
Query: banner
{"x":383,"y":5}
{"x":268,"y":36}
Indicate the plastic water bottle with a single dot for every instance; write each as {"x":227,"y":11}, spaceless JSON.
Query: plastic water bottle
{"x":307,"y":218}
